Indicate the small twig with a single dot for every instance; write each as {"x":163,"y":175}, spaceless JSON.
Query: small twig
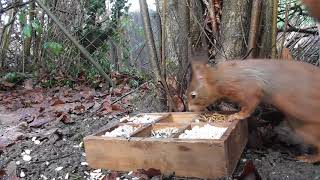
{"x":125,"y":95}
{"x":220,"y":51}
{"x":305,"y":30}
{"x":14,"y":5}
{"x":52,"y":159}
{"x":247,"y":54}
{"x":140,"y":51}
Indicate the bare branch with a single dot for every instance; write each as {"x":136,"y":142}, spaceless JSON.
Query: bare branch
{"x":305,"y":30}
{"x":15,"y":4}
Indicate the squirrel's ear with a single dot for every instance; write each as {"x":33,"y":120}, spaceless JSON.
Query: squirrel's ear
{"x":199,"y":69}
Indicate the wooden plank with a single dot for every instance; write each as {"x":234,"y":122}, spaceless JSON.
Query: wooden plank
{"x":147,"y":131}
{"x":163,"y":116}
{"x":180,"y":117}
{"x":235,"y":143}
{"x":186,"y":158}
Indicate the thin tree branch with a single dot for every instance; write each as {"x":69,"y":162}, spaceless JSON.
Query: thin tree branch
{"x":16,"y":4}
{"x":305,"y":30}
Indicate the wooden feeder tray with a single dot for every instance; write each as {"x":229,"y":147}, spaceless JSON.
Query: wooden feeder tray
{"x":201,"y":158}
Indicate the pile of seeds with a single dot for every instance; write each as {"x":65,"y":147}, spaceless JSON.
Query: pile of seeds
{"x":164,"y":132}
{"x":212,"y":117}
{"x":206,"y":132}
{"x":121,"y":131}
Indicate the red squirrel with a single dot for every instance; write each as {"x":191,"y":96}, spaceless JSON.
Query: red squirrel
{"x":291,"y":86}
{"x":314,"y":8}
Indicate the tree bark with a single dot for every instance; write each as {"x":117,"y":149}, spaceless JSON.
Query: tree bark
{"x":235,"y":24}
{"x":5,"y":39}
{"x":28,"y":40}
{"x":153,"y":53}
{"x":197,"y":37}
{"x":274,"y":29}
{"x":150,"y":39}
{"x":254,"y":28}
{"x":266,"y":32}
{"x":115,"y":57}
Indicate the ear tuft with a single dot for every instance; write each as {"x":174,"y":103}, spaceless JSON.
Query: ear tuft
{"x":199,"y":70}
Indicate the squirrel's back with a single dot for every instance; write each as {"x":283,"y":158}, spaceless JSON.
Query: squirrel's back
{"x":271,"y":75}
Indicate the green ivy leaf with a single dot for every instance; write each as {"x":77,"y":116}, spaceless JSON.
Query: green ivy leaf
{"x":54,"y":47}
{"x":22,"y":17}
{"x":27,"y":31}
{"x":36,"y":25}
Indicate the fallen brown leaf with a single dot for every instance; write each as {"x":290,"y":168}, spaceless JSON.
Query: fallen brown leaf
{"x":57,"y":102}
{"x":144,"y":87}
{"x":43,"y":119}
{"x":2,"y":173}
{"x":151,"y":172}
{"x":125,"y":100}
{"x":140,"y":175}
{"x":116,"y":107}
{"x":82,"y":108}
{"x":65,"y":118}
{"x":106,"y":105}
{"x":112,"y":176}
{"x":6,"y":85}
{"x":117,"y":92}
{"x":79,"y":109}
{"x":249,"y":172}
{"x":81,"y":76}
{"x":9,"y":136}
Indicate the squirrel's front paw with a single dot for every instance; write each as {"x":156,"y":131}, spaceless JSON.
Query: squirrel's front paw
{"x":309,"y":158}
{"x":235,"y":117}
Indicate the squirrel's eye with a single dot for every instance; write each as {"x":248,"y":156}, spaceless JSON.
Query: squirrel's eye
{"x":193,"y":95}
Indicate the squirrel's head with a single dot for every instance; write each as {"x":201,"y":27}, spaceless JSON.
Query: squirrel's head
{"x":202,"y":90}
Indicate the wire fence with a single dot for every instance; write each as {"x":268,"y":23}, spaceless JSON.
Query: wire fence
{"x":298,"y":32}
{"x":32,"y":42}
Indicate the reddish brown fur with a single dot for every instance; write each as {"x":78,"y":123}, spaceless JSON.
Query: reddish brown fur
{"x":293,"y":87}
{"x":313,"y":7}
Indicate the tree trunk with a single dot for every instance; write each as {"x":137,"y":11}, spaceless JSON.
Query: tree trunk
{"x":5,"y":38}
{"x":176,"y":33}
{"x":254,"y":28}
{"x":266,"y":32}
{"x":115,"y":57}
{"x":150,"y":40}
{"x":28,"y":40}
{"x":235,"y":24}
{"x":158,"y":75}
{"x":197,"y":37}
{"x":274,"y":29}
